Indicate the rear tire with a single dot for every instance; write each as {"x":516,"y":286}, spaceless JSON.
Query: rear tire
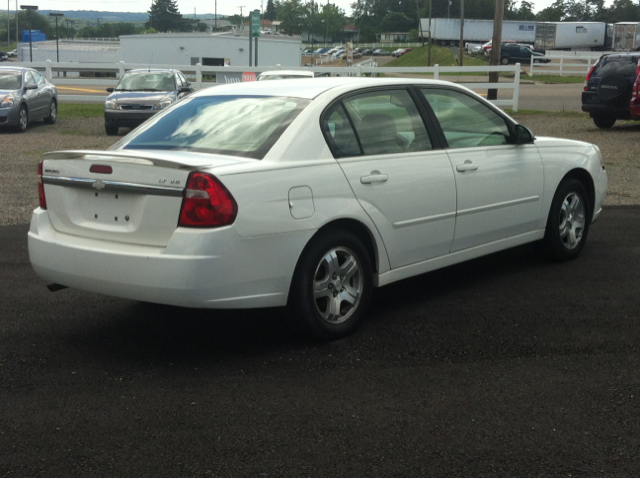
{"x":504,"y":60}
{"x":332,"y":285}
{"x":604,"y":121}
{"x":111,"y":130}
{"x":568,"y":222}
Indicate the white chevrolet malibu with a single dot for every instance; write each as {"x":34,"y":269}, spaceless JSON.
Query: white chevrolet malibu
{"x":308,"y":193}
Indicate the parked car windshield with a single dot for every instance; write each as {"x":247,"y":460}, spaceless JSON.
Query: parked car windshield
{"x":10,"y":80}
{"x":231,"y":125}
{"x":622,"y":65}
{"x":147,"y":81}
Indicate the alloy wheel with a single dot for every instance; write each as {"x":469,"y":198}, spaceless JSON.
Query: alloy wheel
{"x":572,"y":220}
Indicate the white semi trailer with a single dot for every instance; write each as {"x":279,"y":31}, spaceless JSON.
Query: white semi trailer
{"x":570,"y":35}
{"x":626,"y":36}
{"x":446,"y":31}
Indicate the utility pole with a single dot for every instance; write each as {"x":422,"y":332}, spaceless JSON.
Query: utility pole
{"x":430,"y":14}
{"x":17,"y":37}
{"x":29,"y":8}
{"x":242,"y":22}
{"x":496,"y":43}
{"x":461,"y":53}
{"x":8,"y":37}
{"x":57,"y":36}
{"x":420,"y":22}
{"x":215,"y":21}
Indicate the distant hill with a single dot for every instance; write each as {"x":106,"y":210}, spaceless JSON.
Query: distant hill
{"x":132,"y":17}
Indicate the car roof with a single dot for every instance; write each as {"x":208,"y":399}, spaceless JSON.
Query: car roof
{"x":308,"y":88}
{"x":15,"y":69}
{"x":622,"y":55}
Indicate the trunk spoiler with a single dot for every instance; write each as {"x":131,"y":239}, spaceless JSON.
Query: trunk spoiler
{"x":187,"y":161}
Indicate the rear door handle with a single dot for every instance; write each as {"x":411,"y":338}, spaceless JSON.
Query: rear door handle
{"x":374,"y":177}
{"x":467,"y":166}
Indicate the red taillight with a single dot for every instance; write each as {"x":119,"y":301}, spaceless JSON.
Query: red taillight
{"x":43,"y":200}
{"x":586,"y":80}
{"x":207,"y":203}
{"x":101,"y":169}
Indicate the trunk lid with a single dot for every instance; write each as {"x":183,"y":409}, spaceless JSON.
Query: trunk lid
{"x":127,"y":196}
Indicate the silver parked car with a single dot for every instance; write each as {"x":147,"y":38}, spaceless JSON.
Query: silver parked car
{"x":140,"y":94}
{"x":25,"y":96}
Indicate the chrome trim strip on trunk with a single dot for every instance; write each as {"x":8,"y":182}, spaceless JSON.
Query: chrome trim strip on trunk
{"x":104,"y":185}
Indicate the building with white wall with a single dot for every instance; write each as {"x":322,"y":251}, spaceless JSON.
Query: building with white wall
{"x":172,"y":49}
{"x":209,"y":49}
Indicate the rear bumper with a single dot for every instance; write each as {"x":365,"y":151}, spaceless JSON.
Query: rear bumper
{"x":198,"y":268}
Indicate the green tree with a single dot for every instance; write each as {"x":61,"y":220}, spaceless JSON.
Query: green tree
{"x":270,"y":13}
{"x":292,"y":14}
{"x":164,"y":16}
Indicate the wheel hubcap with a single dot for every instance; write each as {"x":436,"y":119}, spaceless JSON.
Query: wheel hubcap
{"x":572,"y":220}
{"x":337,"y":285}
{"x":23,"y":118}
{"x":54,"y":111}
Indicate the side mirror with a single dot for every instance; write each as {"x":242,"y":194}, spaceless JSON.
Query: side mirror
{"x":186,"y":89}
{"x":31,"y":86}
{"x":523,"y":135}
{"x":110,"y":89}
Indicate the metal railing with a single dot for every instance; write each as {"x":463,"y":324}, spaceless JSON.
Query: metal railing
{"x":198,"y":74}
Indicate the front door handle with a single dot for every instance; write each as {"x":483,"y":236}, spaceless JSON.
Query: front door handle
{"x":374,"y":177}
{"x":467,"y":166}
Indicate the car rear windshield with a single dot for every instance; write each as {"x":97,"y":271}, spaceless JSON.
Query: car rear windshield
{"x":245,"y":126}
{"x":10,"y":80}
{"x":617,"y":65}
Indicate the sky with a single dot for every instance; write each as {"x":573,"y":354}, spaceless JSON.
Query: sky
{"x":186,"y":7}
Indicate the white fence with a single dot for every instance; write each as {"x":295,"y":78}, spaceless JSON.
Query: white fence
{"x":566,"y":63}
{"x":202,"y":75}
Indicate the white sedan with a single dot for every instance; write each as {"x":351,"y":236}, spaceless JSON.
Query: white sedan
{"x":308,"y":193}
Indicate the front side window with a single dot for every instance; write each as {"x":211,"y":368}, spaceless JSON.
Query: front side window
{"x":231,"y":125}
{"x":341,"y":137}
{"x":147,"y":81}
{"x":465,"y":121}
{"x":38,"y":78}
{"x":28,"y":79}
{"x":387,"y":122}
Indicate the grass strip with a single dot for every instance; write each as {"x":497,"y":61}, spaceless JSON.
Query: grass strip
{"x":80,"y":110}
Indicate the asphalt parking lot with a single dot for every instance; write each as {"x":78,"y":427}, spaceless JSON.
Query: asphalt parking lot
{"x":505,"y":366}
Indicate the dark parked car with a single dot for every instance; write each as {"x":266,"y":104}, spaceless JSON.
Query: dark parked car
{"x":611,"y":90}
{"x":140,"y":94}
{"x":514,"y":53}
{"x":25,"y":96}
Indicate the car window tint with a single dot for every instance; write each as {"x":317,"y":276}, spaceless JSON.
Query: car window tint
{"x":28,"y":78}
{"x":39,"y":79}
{"x":625,"y":66}
{"x":339,"y":133}
{"x":465,"y":121}
{"x":231,"y":125}
{"x":387,"y":122}
{"x":10,"y":80}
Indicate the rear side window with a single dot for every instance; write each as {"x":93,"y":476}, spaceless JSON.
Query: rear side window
{"x":387,"y":122}
{"x":617,"y":65}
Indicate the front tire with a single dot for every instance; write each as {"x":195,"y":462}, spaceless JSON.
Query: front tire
{"x":111,"y":129}
{"x":504,"y":60}
{"x":568,"y":222}
{"x":53,"y":113}
{"x":332,"y":285}
{"x":23,"y":120}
